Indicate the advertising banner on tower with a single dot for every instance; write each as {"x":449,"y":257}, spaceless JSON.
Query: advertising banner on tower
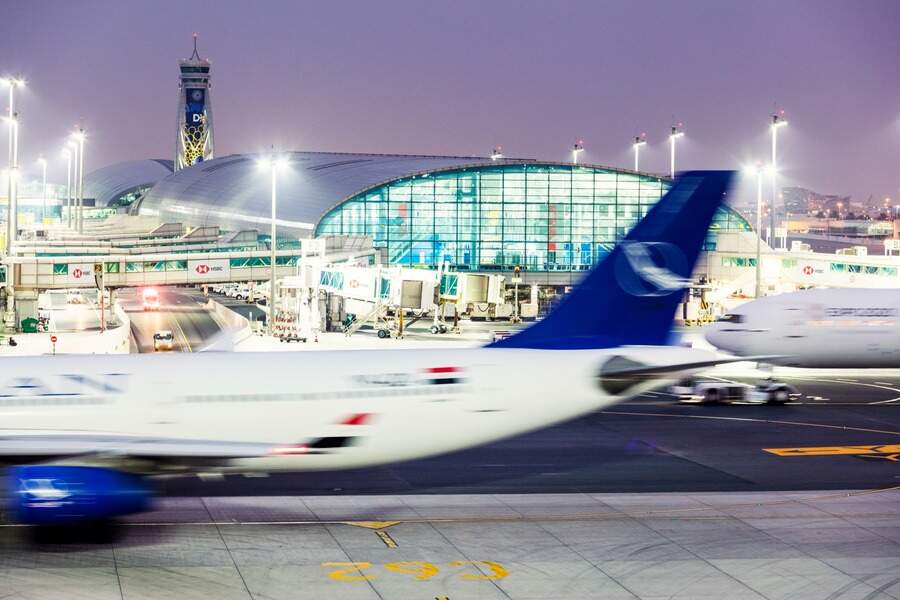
{"x":195,"y":103}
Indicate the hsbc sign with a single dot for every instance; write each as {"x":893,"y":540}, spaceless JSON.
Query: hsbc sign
{"x":209,"y":269}
{"x":80,"y":273}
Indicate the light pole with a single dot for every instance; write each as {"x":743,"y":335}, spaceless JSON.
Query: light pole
{"x":273,"y":164}
{"x":759,"y":170}
{"x":12,"y":196}
{"x":577,"y":149}
{"x":675,"y":133}
{"x":78,"y":136}
{"x":68,"y":155}
{"x":778,"y":121}
{"x":43,"y":162}
{"x":639,"y":140}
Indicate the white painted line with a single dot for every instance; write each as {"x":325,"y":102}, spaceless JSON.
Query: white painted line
{"x":891,"y":401}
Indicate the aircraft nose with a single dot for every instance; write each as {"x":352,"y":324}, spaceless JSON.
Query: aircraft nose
{"x":715,"y":336}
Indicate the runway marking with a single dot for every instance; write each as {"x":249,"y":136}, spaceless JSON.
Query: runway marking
{"x":386,"y":538}
{"x":421,"y":569}
{"x":352,"y":571}
{"x":890,"y":387}
{"x":750,"y":420}
{"x":891,"y":401}
{"x":344,"y":573}
{"x":885,"y":383}
{"x":835,"y":450}
{"x":371,"y":524}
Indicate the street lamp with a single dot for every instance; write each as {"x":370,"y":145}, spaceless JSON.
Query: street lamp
{"x":639,"y":140}
{"x":43,"y":162}
{"x":12,"y":197}
{"x":577,"y":149}
{"x":78,"y":137}
{"x":778,"y":121}
{"x":758,"y":170}
{"x":273,"y":164}
{"x":12,"y":203}
{"x":675,"y":133}
{"x":67,"y":153}
{"x":497,"y":153}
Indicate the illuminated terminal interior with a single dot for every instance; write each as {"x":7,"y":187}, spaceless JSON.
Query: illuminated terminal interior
{"x":543,"y":217}
{"x":470,"y":212}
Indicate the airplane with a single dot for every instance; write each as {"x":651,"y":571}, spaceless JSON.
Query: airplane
{"x":86,"y":436}
{"x":817,"y":328}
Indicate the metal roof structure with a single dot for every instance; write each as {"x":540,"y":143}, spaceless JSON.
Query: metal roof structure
{"x":232,"y":192}
{"x":111,"y":182}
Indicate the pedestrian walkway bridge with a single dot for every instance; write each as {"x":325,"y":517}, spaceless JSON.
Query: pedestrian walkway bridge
{"x":172,"y":268}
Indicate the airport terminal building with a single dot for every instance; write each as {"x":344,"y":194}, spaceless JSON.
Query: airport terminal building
{"x":474,"y":213}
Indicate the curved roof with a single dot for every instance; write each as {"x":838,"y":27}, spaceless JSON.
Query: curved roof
{"x":230,"y":191}
{"x":108,"y":183}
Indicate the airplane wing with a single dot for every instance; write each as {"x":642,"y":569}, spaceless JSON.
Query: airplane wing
{"x":625,"y":368}
{"x":619,"y":375}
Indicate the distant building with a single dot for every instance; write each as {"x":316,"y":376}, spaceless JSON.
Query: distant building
{"x":803,"y":201}
{"x":194,"y":137}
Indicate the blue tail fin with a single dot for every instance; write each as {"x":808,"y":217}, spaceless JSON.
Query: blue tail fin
{"x":631,"y":296}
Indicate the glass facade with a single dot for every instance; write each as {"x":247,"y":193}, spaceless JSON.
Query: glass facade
{"x":539,"y":216}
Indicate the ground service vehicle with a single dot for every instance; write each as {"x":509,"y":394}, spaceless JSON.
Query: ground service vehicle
{"x":710,"y":392}
{"x":163,"y":341}
{"x":150,"y":297}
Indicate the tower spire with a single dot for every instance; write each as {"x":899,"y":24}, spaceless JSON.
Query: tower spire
{"x":195,"y":55}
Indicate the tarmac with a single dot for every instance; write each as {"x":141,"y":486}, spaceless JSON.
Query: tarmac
{"x":650,"y":499}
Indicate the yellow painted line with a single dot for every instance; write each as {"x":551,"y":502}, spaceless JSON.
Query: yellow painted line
{"x":386,"y":538}
{"x":371,"y":524}
{"x":835,"y":450}
{"x":183,"y":337}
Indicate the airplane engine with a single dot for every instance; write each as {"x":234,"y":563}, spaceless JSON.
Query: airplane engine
{"x":55,"y":495}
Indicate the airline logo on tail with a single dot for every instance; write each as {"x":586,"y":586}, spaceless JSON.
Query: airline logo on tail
{"x":651,"y":268}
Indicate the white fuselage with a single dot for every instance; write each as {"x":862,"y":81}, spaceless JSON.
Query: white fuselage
{"x":395,"y":404}
{"x":826,"y":328}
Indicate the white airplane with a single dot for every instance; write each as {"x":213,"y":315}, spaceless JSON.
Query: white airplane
{"x":821,"y":328}
{"x":85,"y":435}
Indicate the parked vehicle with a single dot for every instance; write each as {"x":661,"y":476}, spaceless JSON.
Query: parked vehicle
{"x":767,"y":391}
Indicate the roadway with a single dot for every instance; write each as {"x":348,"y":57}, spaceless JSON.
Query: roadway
{"x":181,"y":311}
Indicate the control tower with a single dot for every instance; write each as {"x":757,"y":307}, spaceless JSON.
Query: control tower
{"x":194,"y":137}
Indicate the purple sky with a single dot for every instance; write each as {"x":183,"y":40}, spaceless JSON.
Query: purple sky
{"x":460,"y":77}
